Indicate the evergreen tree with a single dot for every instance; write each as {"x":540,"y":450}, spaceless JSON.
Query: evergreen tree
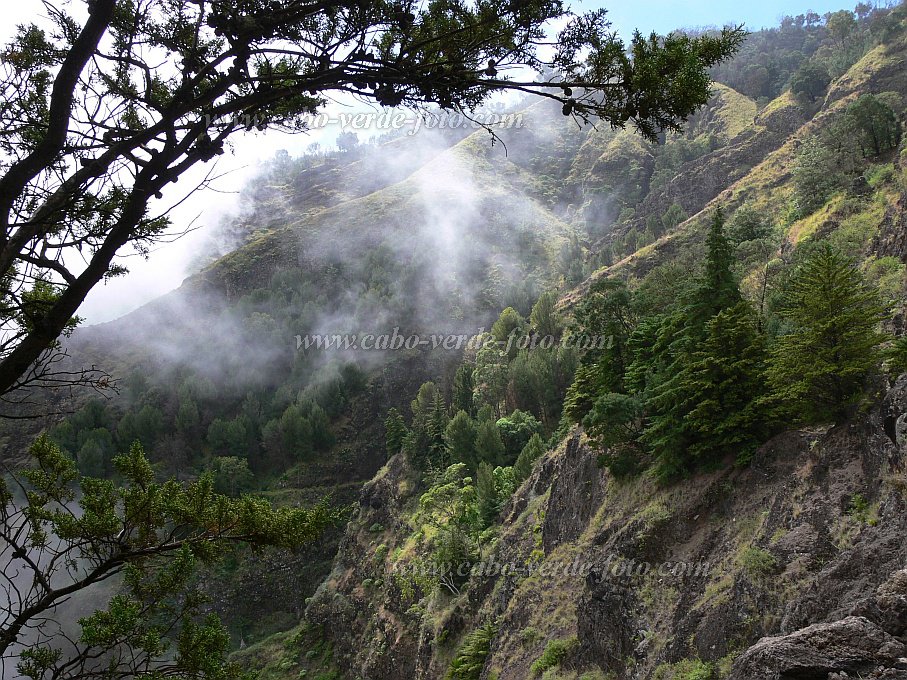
{"x":614,"y":425}
{"x":470,"y":659}
{"x":819,"y":369}
{"x":673,"y":216}
{"x":422,"y":444}
{"x":810,"y":80}
{"x":486,"y":494}
{"x":463,"y":387}
{"x":91,"y":459}
{"x":156,"y":540}
{"x":717,"y":289}
{"x":533,"y":450}
{"x":509,"y":323}
{"x":489,"y":446}
{"x":395,"y":431}
{"x":187,"y":419}
{"x":322,"y":436}
{"x":144,"y":425}
{"x":486,"y":413}
{"x":544,"y":318}
{"x":589,"y":381}
{"x":460,"y":439}
{"x":516,"y":430}
{"x":674,"y":364}
{"x":295,"y":432}
{"x":604,"y":322}
{"x":724,"y":384}
{"x":232,"y":475}
{"x":437,"y":426}
{"x":491,"y":374}
{"x":876,"y":124}
{"x":816,"y":174}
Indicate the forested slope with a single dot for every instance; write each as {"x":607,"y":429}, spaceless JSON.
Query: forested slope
{"x":549,"y":456}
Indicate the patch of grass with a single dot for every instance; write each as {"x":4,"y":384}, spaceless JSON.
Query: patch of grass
{"x":898,"y":482}
{"x":856,"y":230}
{"x":530,"y":635}
{"x":861,"y":510}
{"x":556,"y":652}
{"x":688,"y":669}
{"x":758,"y":561}
{"x":887,"y":273}
{"x":878,"y":175}
{"x":652,"y":516}
{"x":779,"y":533}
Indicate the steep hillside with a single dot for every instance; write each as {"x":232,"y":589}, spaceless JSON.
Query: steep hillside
{"x":756,"y":168}
{"x":632,"y":580}
{"x":575,"y":571}
{"x":788,"y":564}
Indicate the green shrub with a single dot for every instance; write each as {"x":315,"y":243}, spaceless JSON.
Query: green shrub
{"x":758,"y":561}
{"x":878,"y":175}
{"x":473,"y":653}
{"x":556,"y":652}
{"x":688,"y":669}
{"x":861,"y":510}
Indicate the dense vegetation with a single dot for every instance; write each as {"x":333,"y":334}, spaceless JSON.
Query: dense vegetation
{"x":773,"y":319}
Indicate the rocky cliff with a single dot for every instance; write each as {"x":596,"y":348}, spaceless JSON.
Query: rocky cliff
{"x":790,"y":568}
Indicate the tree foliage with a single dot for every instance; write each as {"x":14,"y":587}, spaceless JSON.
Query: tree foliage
{"x":100,"y":115}
{"x":62,"y":533}
{"x":820,"y":368}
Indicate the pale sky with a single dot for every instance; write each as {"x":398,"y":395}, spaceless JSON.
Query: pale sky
{"x":168,"y":264}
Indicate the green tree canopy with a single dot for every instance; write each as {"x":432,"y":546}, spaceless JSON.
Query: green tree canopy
{"x":489,"y":447}
{"x":152,"y":535}
{"x":516,"y":430}
{"x":545,"y":319}
{"x":534,"y":449}
{"x":395,"y":431}
{"x":876,"y":124}
{"x":820,"y":368}
{"x":810,"y":80}
{"x":460,"y":438}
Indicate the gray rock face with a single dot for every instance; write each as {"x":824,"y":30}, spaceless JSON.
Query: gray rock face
{"x":577,"y":490}
{"x":870,"y":643}
{"x":606,"y":621}
{"x":888,"y":607}
{"x":853,"y":645}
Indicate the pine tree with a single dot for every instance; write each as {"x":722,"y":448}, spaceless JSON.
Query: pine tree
{"x":460,"y":439}
{"x":544,"y":318}
{"x":471,"y":657}
{"x":486,"y":494}
{"x":819,"y":370}
{"x":463,"y":387}
{"x":605,"y":320}
{"x":489,"y":446}
{"x":187,"y":418}
{"x":436,"y":427}
{"x":614,"y":425}
{"x":425,"y":443}
{"x":718,"y":288}
{"x":533,"y":450}
{"x":395,"y":431}
{"x":322,"y":436}
{"x":724,"y":384}
{"x":677,"y":363}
